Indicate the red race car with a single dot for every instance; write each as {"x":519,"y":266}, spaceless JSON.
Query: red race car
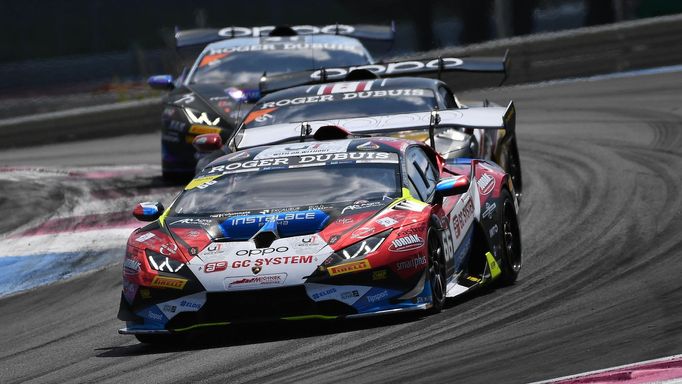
{"x":327,"y":229}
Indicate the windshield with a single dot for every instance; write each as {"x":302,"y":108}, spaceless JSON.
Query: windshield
{"x":293,"y":188}
{"x":246,"y":68}
{"x":341,"y":106}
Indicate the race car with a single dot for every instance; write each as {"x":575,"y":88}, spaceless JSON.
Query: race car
{"x":209,"y":97}
{"x":319,"y":230}
{"x":387,"y":106}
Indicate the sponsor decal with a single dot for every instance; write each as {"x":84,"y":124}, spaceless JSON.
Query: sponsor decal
{"x":212,"y":59}
{"x":343,"y":87}
{"x":185,"y":99}
{"x":168,"y":282}
{"x":378,"y":297}
{"x":486,"y":183}
{"x":406,"y":243}
{"x":260,"y":116}
{"x":368,"y":146}
{"x":277,"y":260}
{"x":389,"y":68}
{"x":193,"y":234}
{"x":380,"y":275}
{"x":144,"y":237}
{"x":300,"y":149}
{"x":170,"y":308}
{"x":129,"y":290}
{"x":345,"y":220}
{"x":489,"y":210}
{"x":201,"y":119}
{"x":463,"y":217}
{"x":416,"y":230}
{"x":297,"y":161}
{"x":256,"y":270}
{"x":324,"y":293}
{"x":365,"y":205}
{"x":190,"y":304}
{"x":168,"y":249}
{"x":362,"y":232}
{"x":193,"y":221}
{"x":350,"y":294}
{"x":354,"y":266}
{"x":176,"y":126}
{"x":387,"y":221}
{"x":247,"y":282}
{"x":334,"y":239}
{"x":261,"y":251}
{"x":411,"y":263}
{"x":279,"y":218}
{"x":154,"y":316}
{"x":131,"y":264}
{"x":145,"y":293}
{"x":493,"y":230}
{"x":215,"y":266}
{"x":202,"y":129}
{"x":272,"y":105}
{"x":338,"y":29}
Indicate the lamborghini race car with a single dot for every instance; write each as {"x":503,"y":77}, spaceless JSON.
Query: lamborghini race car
{"x":319,"y":230}
{"x":399,"y":107}
{"x":209,"y":97}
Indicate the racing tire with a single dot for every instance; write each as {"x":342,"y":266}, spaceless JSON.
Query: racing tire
{"x":436,"y":270}
{"x":513,"y":168}
{"x":511,"y":241}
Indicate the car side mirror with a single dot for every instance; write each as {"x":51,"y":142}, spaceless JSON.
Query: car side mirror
{"x":161,"y":82}
{"x":148,"y":211}
{"x":207,"y":142}
{"x":453,"y":186}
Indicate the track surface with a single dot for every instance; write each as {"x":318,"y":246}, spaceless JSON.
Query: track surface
{"x":601,"y":221}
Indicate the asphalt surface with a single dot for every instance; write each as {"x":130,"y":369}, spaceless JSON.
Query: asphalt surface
{"x":600,"y":286}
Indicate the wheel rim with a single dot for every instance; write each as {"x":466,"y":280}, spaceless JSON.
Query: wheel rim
{"x":436,"y":268}
{"x":511,"y":237}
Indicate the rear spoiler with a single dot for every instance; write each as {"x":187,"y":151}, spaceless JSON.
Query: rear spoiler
{"x":477,"y":118}
{"x":393,"y":69}
{"x":194,"y":37}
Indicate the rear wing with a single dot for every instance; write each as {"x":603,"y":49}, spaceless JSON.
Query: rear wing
{"x":475,"y":118}
{"x":194,"y":37}
{"x":393,"y":69}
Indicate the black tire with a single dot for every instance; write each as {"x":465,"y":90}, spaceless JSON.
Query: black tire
{"x":513,"y":168}
{"x":436,"y":271}
{"x":511,"y":241}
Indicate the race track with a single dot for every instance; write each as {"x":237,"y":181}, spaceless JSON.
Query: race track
{"x":602,"y":236}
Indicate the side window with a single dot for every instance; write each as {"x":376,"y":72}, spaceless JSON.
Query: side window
{"x":421,"y":174}
{"x":447,"y":97}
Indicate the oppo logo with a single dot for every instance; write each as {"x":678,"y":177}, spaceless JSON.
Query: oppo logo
{"x":260,"y":252}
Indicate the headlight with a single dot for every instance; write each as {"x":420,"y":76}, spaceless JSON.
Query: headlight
{"x":162,"y":263}
{"x":365,"y":246}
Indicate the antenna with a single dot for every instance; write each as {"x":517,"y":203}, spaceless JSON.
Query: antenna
{"x":305,"y":130}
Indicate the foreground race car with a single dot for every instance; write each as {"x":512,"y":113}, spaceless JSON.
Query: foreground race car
{"x":209,"y":97}
{"x":380,"y":105}
{"x":319,"y":230}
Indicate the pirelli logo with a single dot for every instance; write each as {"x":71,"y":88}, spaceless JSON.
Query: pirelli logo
{"x":349,"y":267}
{"x":168,"y":282}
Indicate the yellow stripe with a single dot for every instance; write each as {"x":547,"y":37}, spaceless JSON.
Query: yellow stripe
{"x":201,"y":180}
{"x":200,"y":326}
{"x":310,"y":317}
{"x":494,"y":267}
{"x":202,"y":129}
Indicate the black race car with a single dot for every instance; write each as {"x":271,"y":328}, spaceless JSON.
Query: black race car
{"x":370,"y":103}
{"x":209,"y":97}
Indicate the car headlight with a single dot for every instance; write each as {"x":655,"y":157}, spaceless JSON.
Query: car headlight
{"x":162,"y":263}
{"x":364,"y":247}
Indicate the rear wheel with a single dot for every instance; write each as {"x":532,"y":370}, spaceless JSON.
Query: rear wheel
{"x":437,"y":277}
{"x":511,"y":241}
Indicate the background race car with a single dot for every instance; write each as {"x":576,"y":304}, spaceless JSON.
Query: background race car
{"x":331,"y":229}
{"x":399,"y":107}
{"x":209,"y":96}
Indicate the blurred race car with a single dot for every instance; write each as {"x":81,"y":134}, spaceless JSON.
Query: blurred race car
{"x":209,"y":96}
{"x":319,"y":230}
{"x":400,"y":107}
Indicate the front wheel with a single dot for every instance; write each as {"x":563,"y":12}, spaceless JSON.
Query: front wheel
{"x":511,"y":240}
{"x":437,"y":278}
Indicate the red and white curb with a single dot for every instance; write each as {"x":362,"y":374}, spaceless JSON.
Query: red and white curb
{"x":666,"y":370}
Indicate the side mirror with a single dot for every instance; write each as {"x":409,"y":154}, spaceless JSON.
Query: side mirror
{"x":207,"y":142}
{"x":161,"y":82}
{"x":453,"y":186}
{"x":148,"y":211}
